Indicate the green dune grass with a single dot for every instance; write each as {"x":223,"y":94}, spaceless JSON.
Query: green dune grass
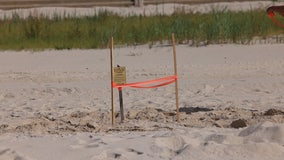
{"x":66,"y":32}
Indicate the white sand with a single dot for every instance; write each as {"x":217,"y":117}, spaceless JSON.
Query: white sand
{"x":40,"y":90}
{"x":56,"y":104}
{"x":263,"y":141}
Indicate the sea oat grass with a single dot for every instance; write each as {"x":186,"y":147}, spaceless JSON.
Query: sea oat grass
{"x":66,"y":32}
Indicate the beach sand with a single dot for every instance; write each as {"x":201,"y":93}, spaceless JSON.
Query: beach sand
{"x":56,"y":104}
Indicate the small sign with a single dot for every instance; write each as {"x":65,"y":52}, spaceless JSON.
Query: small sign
{"x":119,"y":75}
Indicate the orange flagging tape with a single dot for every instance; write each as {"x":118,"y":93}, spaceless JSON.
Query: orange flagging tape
{"x":145,"y":84}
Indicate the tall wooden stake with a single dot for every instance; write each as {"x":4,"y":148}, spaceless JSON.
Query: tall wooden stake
{"x":111,"y":68}
{"x":175,"y":70}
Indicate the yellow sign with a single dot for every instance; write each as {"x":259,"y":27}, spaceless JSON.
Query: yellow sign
{"x":119,"y":75}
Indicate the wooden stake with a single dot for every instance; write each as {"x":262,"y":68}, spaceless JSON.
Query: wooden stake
{"x":175,"y":71}
{"x":111,"y":68}
{"x":121,"y":104}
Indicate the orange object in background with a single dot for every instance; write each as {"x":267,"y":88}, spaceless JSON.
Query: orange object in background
{"x":271,"y":13}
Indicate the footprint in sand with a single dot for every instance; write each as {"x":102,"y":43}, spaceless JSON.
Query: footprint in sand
{"x":8,"y":154}
{"x":7,"y":96}
{"x":169,"y":146}
{"x":93,"y":143}
{"x":134,"y":151}
{"x":108,"y":156}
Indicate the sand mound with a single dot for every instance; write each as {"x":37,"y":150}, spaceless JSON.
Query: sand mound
{"x":264,"y":132}
{"x":147,"y":119}
{"x":261,"y":141}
